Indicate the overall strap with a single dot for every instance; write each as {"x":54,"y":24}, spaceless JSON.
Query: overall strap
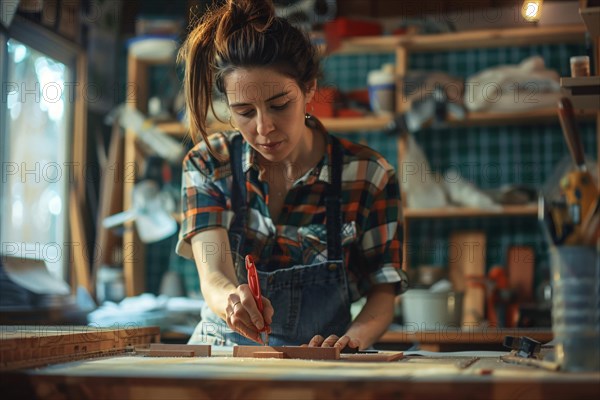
{"x":333,"y":203}
{"x":238,"y":186}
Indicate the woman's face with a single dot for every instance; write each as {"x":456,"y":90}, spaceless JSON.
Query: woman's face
{"x":269,"y":110}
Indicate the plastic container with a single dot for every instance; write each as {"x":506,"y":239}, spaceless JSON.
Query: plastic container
{"x":426,"y":310}
{"x":382,"y":89}
{"x":576,"y":307}
{"x":577,"y":352}
{"x":110,"y":284}
{"x":580,"y":66}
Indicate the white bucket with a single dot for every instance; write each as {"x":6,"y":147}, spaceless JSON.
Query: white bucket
{"x":426,"y":310}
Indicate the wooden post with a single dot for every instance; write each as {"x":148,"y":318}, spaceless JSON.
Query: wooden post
{"x":136,"y":93}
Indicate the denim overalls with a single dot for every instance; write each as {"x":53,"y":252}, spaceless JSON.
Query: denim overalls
{"x":308,"y":299}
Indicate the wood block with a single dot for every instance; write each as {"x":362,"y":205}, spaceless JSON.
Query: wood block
{"x":164,"y":353}
{"x":269,"y":354}
{"x":520,"y":262}
{"x":304,"y":353}
{"x":200,"y":350}
{"x":372,"y":357}
{"x":466,"y":262}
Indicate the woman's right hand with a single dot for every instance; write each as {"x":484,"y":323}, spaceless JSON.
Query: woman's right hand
{"x":243,"y":316}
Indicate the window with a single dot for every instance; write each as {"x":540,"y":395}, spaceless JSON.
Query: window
{"x":41,"y":155}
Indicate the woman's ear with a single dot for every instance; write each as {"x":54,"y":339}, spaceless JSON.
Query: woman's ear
{"x":310,"y":91}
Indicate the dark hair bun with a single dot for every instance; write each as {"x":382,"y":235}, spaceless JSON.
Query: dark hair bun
{"x":258,"y":13}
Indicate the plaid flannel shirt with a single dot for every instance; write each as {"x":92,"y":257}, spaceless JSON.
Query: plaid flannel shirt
{"x":371,"y":210}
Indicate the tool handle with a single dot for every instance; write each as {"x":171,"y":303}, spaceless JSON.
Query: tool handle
{"x":570,"y":132}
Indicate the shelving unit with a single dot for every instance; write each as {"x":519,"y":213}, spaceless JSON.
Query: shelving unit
{"x":494,"y":38}
{"x":402,"y":46}
{"x":469,"y":212}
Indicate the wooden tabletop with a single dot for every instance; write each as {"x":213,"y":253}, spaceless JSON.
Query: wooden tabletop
{"x":89,"y":363}
{"x":223,"y":376}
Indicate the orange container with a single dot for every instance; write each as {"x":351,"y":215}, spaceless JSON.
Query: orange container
{"x":343,"y":27}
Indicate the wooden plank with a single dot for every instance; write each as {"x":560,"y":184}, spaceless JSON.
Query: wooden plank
{"x":520,"y":261}
{"x":466,"y":259}
{"x":27,"y":347}
{"x":80,"y":133}
{"x":133,"y":249}
{"x":300,"y":352}
{"x":269,"y":354}
{"x":402,"y":68}
{"x":473,"y":335}
{"x":80,"y":262}
{"x":165,"y":353}
{"x":373,"y":357}
{"x":111,"y":202}
{"x":201,"y":350}
{"x":80,"y":267}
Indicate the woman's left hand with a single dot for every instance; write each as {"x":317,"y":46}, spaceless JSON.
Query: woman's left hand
{"x":334,"y":341}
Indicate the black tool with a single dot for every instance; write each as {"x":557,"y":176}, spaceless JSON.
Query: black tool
{"x":523,"y":346}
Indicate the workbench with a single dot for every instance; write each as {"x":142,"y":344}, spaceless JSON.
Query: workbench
{"x":128,"y":376}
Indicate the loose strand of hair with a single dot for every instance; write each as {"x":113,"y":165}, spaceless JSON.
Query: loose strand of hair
{"x":197,"y":53}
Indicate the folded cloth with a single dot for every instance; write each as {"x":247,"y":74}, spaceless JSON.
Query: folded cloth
{"x":508,"y":88}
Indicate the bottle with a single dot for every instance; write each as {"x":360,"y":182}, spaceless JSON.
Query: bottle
{"x":382,"y":89}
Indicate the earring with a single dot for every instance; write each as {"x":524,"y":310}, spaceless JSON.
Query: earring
{"x":307,"y":115}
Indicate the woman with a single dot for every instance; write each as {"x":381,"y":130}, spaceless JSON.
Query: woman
{"x":318,"y":214}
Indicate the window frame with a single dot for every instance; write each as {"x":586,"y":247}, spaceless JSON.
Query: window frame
{"x":73,"y":56}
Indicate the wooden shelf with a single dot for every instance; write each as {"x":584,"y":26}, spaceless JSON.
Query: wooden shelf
{"x":349,"y":125}
{"x":591,"y":19}
{"x":584,"y":92}
{"x":496,"y":38}
{"x":338,"y":125}
{"x":527,"y":117}
{"x":454,"y":338}
{"x":469,"y":212}
{"x":375,"y":124}
{"x":346,"y":125}
{"x":369,"y":44}
{"x":466,"y":39}
{"x":175,"y":128}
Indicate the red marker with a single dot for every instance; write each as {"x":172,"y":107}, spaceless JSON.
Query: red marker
{"x":255,"y":289}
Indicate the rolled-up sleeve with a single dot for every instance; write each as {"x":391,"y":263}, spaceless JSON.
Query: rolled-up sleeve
{"x":381,"y":241}
{"x":205,"y":203}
